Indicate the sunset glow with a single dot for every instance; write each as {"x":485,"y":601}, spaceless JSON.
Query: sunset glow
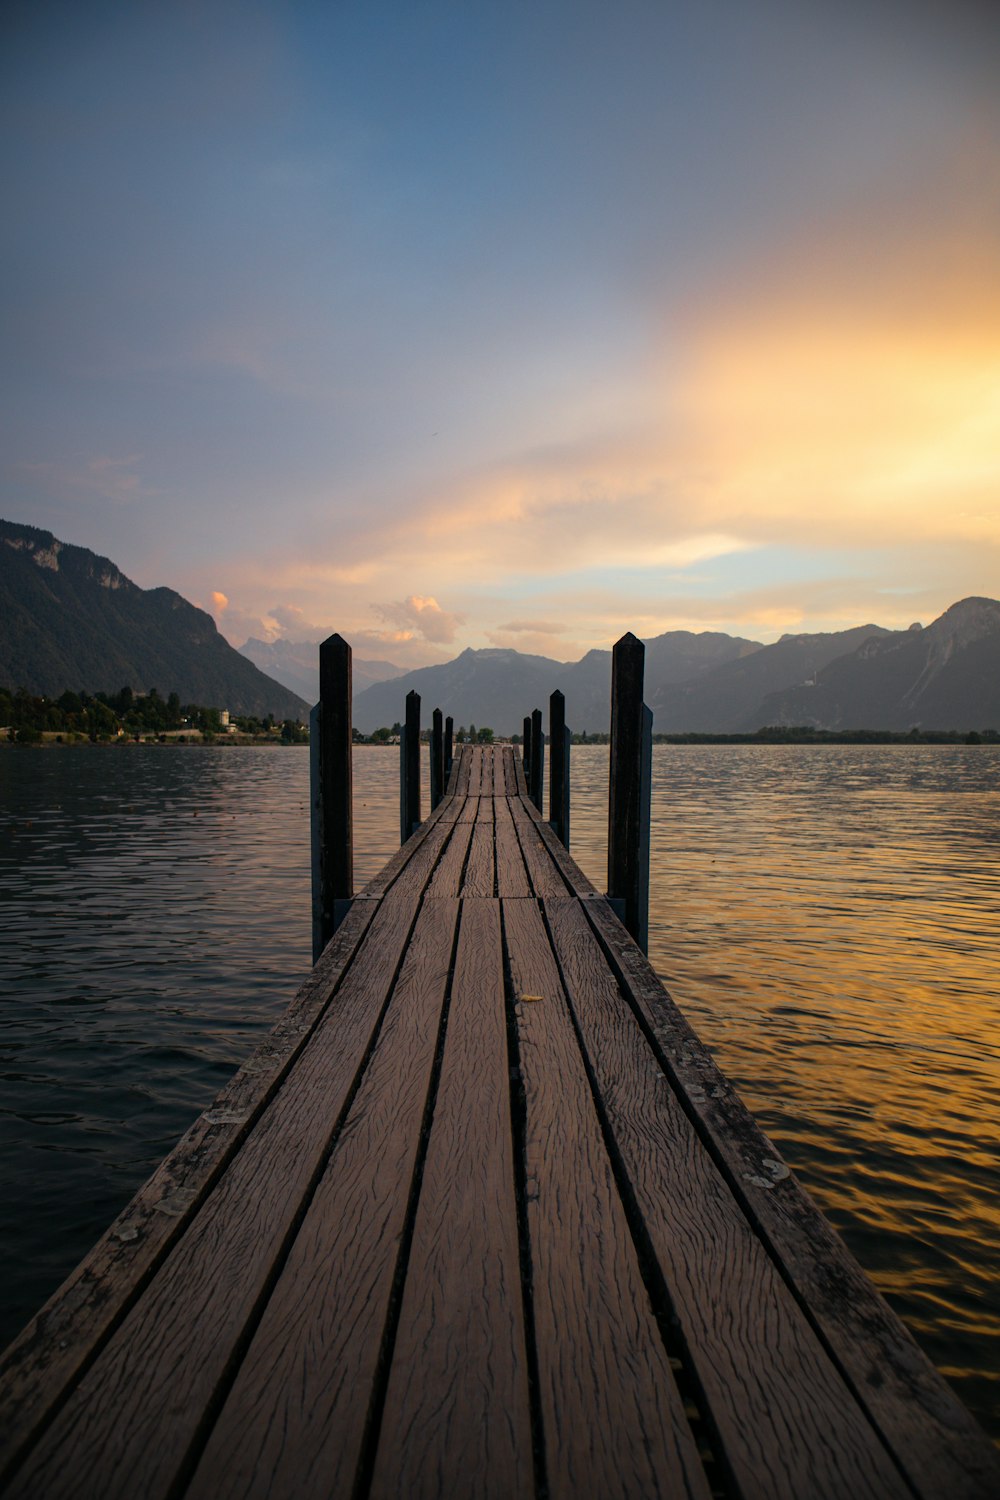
{"x":414,"y":329}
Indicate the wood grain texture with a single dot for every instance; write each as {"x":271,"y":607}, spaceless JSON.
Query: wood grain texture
{"x":940,"y":1448}
{"x":544,"y":873}
{"x":60,"y":1341}
{"x":512,"y":875}
{"x":787,"y":1422}
{"x":456,"y":1419}
{"x":480,"y":869}
{"x":294,"y":1420}
{"x":475,"y":772}
{"x":448,"y":874}
{"x":463,"y":762}
{"x":445,"y":812}
{"x":127,"y":1427}
{"x":614,"y":1422}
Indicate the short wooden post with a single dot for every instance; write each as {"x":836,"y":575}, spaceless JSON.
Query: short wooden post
{"x":449,"y":747}
{"x":537,"y":774}
{"x":409,"y":769}
{"x":330,"y":741}
{"x":630,"y":790}
{"x":526,"y":750}
{"x":437,"y":758}
{"x":559,"y":739}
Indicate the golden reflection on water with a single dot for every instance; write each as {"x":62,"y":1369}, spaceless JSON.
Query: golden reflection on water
{"x":828,"y":918}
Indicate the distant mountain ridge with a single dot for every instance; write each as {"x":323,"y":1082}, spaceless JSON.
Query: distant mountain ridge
{"x":296,"y":665}
{"x":71,"y":620}
{"x":944,"y":677}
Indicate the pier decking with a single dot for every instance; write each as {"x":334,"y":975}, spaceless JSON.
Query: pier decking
{"x":480,"y":1218}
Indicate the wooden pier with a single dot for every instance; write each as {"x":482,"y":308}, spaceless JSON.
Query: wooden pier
{"x":479,"y":1218}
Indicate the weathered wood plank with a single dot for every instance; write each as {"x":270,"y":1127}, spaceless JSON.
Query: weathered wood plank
{"x":129,"y":1425}
{"x":447,"y":877}
{"x":480,"y":869}
{"x":614,"y":1422}
{"x":787,"y":1422}
{"x":545,"y":877}
{"x":933,"y":1437}
{"x":512,"y":875}
{"x":484,"y":813}
{"x":475,"y":773}
{"x":445,"y":812}
{"x":462,"y":768}
{"x":456,"y":1419}
{"x":509,"y":772}
{"x":294,"y":1421}
{"x":52,"y":1352}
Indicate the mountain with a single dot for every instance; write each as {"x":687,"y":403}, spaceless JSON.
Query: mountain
{"x":944,"y":677}
{"x":72,"y":620}
{"x":490,"y":687}
{"x":296,"y":665}
{"x":499,"y":687}
{"x":729,"y":699}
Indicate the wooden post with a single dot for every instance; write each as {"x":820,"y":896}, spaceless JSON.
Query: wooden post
{"x":449,"y":747}
{"x":437,"y":758}
{"x":330,"y":740}
{"x":409,"y":769}
{"x":629,"y":791}
{"x":559,"y":739}
{"x":526,"y":750}
{"x":537,"y":758}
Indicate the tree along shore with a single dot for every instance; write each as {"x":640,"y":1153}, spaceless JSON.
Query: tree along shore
{"x":129,"y":717}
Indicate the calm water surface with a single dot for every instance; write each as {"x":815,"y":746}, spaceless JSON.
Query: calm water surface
{"x":827,"y":917}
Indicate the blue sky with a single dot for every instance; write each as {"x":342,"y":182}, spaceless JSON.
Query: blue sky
{"x":438,"y":323}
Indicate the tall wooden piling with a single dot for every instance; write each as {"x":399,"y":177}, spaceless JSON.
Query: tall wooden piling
{"x":449,"y":747}
{"x":331,"y":790}
{"x":559,"y":742}
{"x":437,"y":758}
{"x":526,"y":749}
{"x":536,"y":775}
{"x":629,"y":790}
{"x":409,"y":769}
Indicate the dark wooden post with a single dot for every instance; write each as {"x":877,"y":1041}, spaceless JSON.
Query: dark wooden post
{"x":526,"y":750}
{"x":537,"y":758}
{"x":330,"y":740}
{"x":629,"y":791}
{"x":449,"y":747}
{"x":409,"y":769}
{"x":559,"y":739}
{"x":437,"y":758}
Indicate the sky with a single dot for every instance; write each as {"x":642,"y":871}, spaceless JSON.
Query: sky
{"x":507,"y":324}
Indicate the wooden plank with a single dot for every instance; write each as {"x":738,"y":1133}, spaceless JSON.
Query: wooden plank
{"x":447,"y":877}
{"x":130,"y":1423}
{"x":456,"y":1419}
{"x":545,"y":877}
{"x":509,"y":772}
{"x":55,"y":1348}
{"x":941,"y":1449}
{"x":573,"y":876}
{"x":413,"y":876}
{"x":614,"y":1422}
{"x":480,"y":869}
{"x":512,"y":875}
{"x":463,"y":765}
{"x":484,"y":813}
{"x":470,"y":810}
{"x":475,"y":773}
{"x":486,"y":786}
{"x":446,"y":812}
{"x":294,"y":1421}
{"x":788,"y":1424}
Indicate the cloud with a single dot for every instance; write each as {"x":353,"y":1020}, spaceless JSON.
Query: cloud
{"x":542,"y":627}
{"x":219,"y":602}
{"x":420,"y":616}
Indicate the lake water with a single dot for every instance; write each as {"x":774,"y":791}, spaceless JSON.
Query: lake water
{"x":827,"y":917}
